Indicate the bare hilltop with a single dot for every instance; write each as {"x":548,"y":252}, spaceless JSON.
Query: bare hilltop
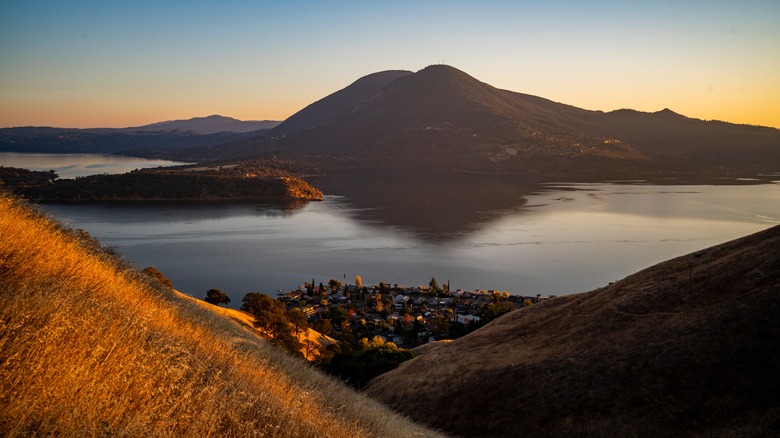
{"x":690,"y":346}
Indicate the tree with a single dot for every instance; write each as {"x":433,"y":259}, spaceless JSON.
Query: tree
{"x":442,"y":324}
{"x":334,"y":284}
{"x":323,"y":325}
{"x":216,"y":297}
{"x":273,"y":324}
{"x":358,"y":281}
{"x":434,"y":286}
{"x":157,"y":275}
{"x":446,"y":290}
{"x":271,"y":318}
{"x":298,"y":320}
{"x":286,"y":340}
{"x":370,"y":359}
{"x":258,"y":302}
{"x":337,"y":315}
{"x":496,"y":308}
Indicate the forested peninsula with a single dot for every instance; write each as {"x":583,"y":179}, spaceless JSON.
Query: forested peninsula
{"x":254,"y":180}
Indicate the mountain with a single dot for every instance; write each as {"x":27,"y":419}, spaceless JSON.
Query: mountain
{"x":155,"y":140}
{"x":325,"y":110}
{"x":441,"y":117}
{"x":92,"y":347}
{"x":209,"y":125}
{"x":683,"y":139}
{"x":688,"y":346}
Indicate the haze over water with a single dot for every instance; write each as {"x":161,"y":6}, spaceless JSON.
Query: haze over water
{"x":478,"y":232}
{"x":76,"y":165}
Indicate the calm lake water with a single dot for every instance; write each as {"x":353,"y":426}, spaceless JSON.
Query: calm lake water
{"x":478,"y":232}
{"x":75,"y":165}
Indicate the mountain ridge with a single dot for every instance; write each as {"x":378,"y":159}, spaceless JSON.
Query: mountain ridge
{"x":209,"y":125}
{"x":153,"y":140}
{"x":440,"y":117}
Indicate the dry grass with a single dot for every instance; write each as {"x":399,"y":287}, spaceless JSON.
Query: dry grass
{"x":655,"y":354}
{"x":246,"y":319}
{"x":89,"y":348}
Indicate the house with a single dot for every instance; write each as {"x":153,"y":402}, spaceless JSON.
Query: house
{"x":400,"y":300}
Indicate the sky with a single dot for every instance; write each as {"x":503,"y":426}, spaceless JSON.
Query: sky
{"x":114,"y":63}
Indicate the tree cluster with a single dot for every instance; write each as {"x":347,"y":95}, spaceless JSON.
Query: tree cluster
{"x":271,"y":317}
{"x":216,"y":297}
{"x":158,"y":276}
{"x":357,"y":365}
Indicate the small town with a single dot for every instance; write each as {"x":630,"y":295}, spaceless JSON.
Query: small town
{"x":405,"y":316}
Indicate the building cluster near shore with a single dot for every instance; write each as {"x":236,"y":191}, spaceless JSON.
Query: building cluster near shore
{"x":406,"y":316}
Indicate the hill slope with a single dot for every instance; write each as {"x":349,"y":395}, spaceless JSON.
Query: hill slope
{"x":654,"y":354}
{"x":328,"y":108}
{"x":89,"y":347}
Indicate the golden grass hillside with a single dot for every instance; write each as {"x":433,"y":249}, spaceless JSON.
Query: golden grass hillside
{"x":689,"y":347}
{"x":246,"y":319}
{"x":88,"y":347}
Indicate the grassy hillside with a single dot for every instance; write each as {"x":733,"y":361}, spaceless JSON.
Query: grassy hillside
{"x":247,"y":320}
{"x":688,"y":347}
{"x":89,"y":347}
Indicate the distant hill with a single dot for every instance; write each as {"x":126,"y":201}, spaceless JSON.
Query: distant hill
{"x":209,"y":125}
{"x":682,"y":139}
{"x":91,"y":347}
{"x":152,"y":140}
{"x":687,"y":347}
{"x":441,"y":117}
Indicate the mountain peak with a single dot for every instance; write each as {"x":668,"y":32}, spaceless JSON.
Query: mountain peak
{"x":446,"y":73}
{"x":666,"y":112}
{"x":440,"y":68}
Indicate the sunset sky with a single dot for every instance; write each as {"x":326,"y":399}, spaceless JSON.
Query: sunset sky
{"x":118,"y":63}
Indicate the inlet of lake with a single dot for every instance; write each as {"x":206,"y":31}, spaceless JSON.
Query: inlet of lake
{"x":474,"y":231}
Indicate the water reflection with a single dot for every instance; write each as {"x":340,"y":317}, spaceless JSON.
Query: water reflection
{"x":493,"y":232}
{"x":438,"y":207}
{"x":433,"y":206}
{"x":161,"y":213}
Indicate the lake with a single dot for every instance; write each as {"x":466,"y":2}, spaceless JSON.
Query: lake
{"x":475,"y":231}
{"x":76,"y":165}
